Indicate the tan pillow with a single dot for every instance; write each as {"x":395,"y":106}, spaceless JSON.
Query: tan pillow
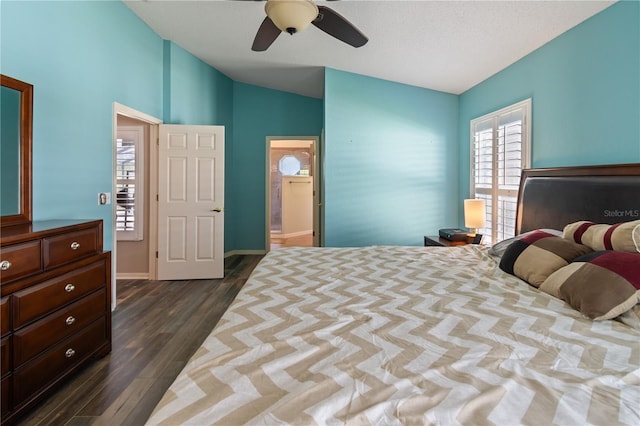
{"x":602,"y":285}
{"x":624,"y":236}
{"x":538,"y":254}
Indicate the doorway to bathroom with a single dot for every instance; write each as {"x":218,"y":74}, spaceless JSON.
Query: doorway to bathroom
{"x":292,"y":192}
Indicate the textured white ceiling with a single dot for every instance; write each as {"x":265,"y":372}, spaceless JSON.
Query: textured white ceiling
{"x":442,"y":45}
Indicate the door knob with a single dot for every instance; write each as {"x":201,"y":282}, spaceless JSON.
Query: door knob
{"x":217,"y":209}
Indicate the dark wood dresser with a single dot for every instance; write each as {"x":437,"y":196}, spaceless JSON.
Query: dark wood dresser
{"x":55,"y":305}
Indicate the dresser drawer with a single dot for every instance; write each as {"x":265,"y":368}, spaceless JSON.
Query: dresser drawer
{"x":5,"y":316}
{"x":20,"y":260}
{"x":34,"y":302}
{"x":30,"y":341}
{"x":39,"y":372}
{"x":5,"y":351}
{"x":55,"y":304}
{"x":61,"y":249}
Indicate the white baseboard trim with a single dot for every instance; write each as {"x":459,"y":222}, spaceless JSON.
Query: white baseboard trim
{"x":244,"y":252}
{"x":132,"y":276}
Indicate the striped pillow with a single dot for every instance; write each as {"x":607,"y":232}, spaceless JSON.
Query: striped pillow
{"x":602,"y":285}
{"x":538,"y":254}
{"x":624,"y":236}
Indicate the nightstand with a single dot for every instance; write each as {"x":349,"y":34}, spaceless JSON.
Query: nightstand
{"x":432,"y":241}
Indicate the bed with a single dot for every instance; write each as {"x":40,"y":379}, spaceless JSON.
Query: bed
{"x":424,"y":335}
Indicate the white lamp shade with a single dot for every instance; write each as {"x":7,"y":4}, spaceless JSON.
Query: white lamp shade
{"x":287,"y":14}
{"x":474,"y":213}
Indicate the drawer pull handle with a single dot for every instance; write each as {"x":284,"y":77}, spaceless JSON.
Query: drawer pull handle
{"x":69,"y":353}
{"x":70,"y":320}
{"x":5,"y":264}
{"x":75,"y":245}
{"x":69,"y":288}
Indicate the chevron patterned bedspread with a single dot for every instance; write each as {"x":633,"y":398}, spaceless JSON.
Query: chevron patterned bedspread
{"x":403,"y":335}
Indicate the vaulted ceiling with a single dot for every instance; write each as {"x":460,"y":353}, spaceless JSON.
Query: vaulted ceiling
{"x":448,"y":46}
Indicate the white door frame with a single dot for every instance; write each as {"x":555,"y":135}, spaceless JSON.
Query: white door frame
{"x":315,"y":143}
{"x":119,"y":109}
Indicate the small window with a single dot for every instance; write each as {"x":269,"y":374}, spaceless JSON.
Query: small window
{"x":289,"y":165}
{"x":500,"y":146}
{"x":129,"y":183}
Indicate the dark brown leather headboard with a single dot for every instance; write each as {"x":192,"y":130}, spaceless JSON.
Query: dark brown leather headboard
{"x":552,"y":198}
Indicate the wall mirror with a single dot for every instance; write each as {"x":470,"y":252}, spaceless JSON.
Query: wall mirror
{"x":16,"y":115}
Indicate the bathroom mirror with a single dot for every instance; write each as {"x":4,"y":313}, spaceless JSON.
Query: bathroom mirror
{"x":16,"y":113}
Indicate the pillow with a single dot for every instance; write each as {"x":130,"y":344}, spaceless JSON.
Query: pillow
{"x":624,"y":236}
{"x":499,"y":248}
{"x":602,"y":285}
{"x":538,"y":254}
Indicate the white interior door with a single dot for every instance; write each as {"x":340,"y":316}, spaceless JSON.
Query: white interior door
{"x":190,"y":202}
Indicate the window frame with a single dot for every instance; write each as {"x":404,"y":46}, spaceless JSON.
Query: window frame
{"x":134,"y":134}
{"x":495,"y":192}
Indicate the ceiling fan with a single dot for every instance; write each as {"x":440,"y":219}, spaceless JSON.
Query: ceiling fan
{"x":293,"y":16}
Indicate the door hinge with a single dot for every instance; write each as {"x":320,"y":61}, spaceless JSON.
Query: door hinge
{"x":156,"y":255}
{"x":157,"y":197}
{"x":158,"y":141}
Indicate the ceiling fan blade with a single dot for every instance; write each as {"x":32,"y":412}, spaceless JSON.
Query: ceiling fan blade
{"x":266,"y":35}
{"x":334,"y":24}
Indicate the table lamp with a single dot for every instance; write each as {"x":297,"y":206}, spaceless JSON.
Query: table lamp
{"x":474,"y":217}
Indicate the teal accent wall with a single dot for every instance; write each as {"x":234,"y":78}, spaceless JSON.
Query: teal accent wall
{"x":80,"y":58}
{"x":585,"y":90}
{"x":390,"y":161}
{"x":257,"y":114}
{"x":194,"y":92}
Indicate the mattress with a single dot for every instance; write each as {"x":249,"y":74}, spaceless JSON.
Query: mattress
{"x":403,"y":335}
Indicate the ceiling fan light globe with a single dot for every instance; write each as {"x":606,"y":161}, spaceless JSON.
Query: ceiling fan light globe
{"x":291,"y":14}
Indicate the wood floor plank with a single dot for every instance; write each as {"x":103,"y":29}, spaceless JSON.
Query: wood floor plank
{"x":156,"y":328}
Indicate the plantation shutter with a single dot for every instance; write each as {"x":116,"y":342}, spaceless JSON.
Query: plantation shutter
{"x":499,"y":151}
{"x":129,"y":179}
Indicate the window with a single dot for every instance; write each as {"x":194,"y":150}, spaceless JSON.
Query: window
{"x":500,"y":146}
{"x":289,"y":165}
{"x":295,"y":163}
{"x":129,"y":183}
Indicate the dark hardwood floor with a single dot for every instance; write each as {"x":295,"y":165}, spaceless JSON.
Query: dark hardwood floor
{"x":157,"y":326}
